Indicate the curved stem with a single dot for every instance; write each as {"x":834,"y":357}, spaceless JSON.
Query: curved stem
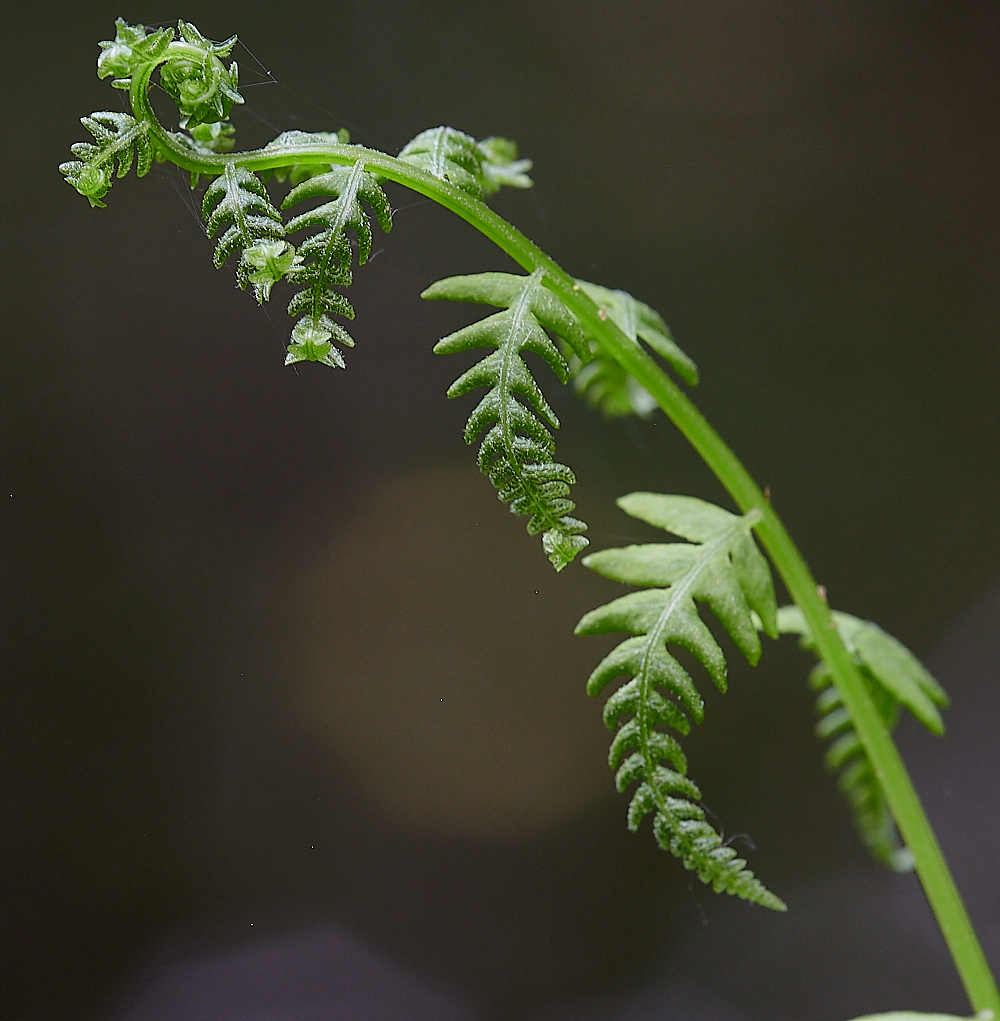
{"x":938,"y":883}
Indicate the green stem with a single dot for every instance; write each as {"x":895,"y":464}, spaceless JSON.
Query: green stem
{"x":938,"y":884}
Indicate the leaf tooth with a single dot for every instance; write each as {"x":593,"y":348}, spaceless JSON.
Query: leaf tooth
{"x":125,"y":158}
{"x":362,"y":228}
{"x":643,"y":802}
{"x":668,"y":781}
{"x":485,"y":412}
{"x":373,"y":194}
{"x":624,"y":659}
{"x":321,"y":216}
{"x":537,"y":341}
{"x":572,"y":525}
{"x":491,"y":447}
{"x":227,"y":244}
{"x":498,"y":289}
{"x":723,"y":856}
{"x":144,"y":161}
{"x":629,"y":656}
{"x":488,"y":332}
{"x":549,"y":470}
{"x":632,"y":769}
{"x":820,"y":677}
{"x":331,"y":301}
{"x":687,"y":629}
{"x":686,"y":516}
{"x":845,"y":747}
{"x":651,"y":565}
{"x":663,"y":746}
{"x":719,"y":586}
{"x":551,"y":494}
{"x":555,"y":505}
{"x":858,"y":772}
{"x":665,"y":671}
{"x":521,"y":420}
{"x":555,"y":316}
{"x":521,"y":381}
{"x":681,"y":808}
{"x":661,"y":710}
{"x":755,"y":581}
{"x":337,"y":304}
{"x":829,"y":700}
{"x":635,"y":613}
{"x":624,"y":700}
{"x":337,"y":330}
{"x":332,"y":182}
{"x":697,"y":833}
{"x":528,"y":448}
{"x":504,"y":477}
{"x":483,"y":373}
{"x":834,"y":723}
{"x":626,"y":739}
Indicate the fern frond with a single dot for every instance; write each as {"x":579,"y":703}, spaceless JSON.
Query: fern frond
{"x":239,"y":197}
{"x":722,"y":566}
{"x":478,"y":168}
{"x":895,"y":678}
{"x":448,"y":155}
{"x":324,"y":258}
{"x":602,"y":381}
{"x":517,"y":451}
{"x":118,"y":140}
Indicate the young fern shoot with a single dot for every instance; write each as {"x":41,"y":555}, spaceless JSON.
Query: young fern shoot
{"x":604,"y":341}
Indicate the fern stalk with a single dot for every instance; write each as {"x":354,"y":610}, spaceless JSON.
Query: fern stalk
{"x":930,"y":864}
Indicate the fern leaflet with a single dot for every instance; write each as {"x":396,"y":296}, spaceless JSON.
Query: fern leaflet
{"x":478,"y":168}
{"x":329,"y":256}
{"x":239,"y":197}
{"x":602,"y":381}
{"x":118,"y":139}
{"x":895,"y":678}
{"x":500,"y":165}
{"x":130,"y":49}
{"x":722,"y":566}
{"x":517,"y":452}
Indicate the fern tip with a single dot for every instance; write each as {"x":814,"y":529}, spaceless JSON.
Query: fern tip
{"x":561,"y":548}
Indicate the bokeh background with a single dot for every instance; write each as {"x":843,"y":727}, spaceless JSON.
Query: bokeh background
{"x":275,"y":660}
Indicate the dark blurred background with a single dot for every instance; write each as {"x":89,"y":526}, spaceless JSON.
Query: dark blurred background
{"x":274,"y":657}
